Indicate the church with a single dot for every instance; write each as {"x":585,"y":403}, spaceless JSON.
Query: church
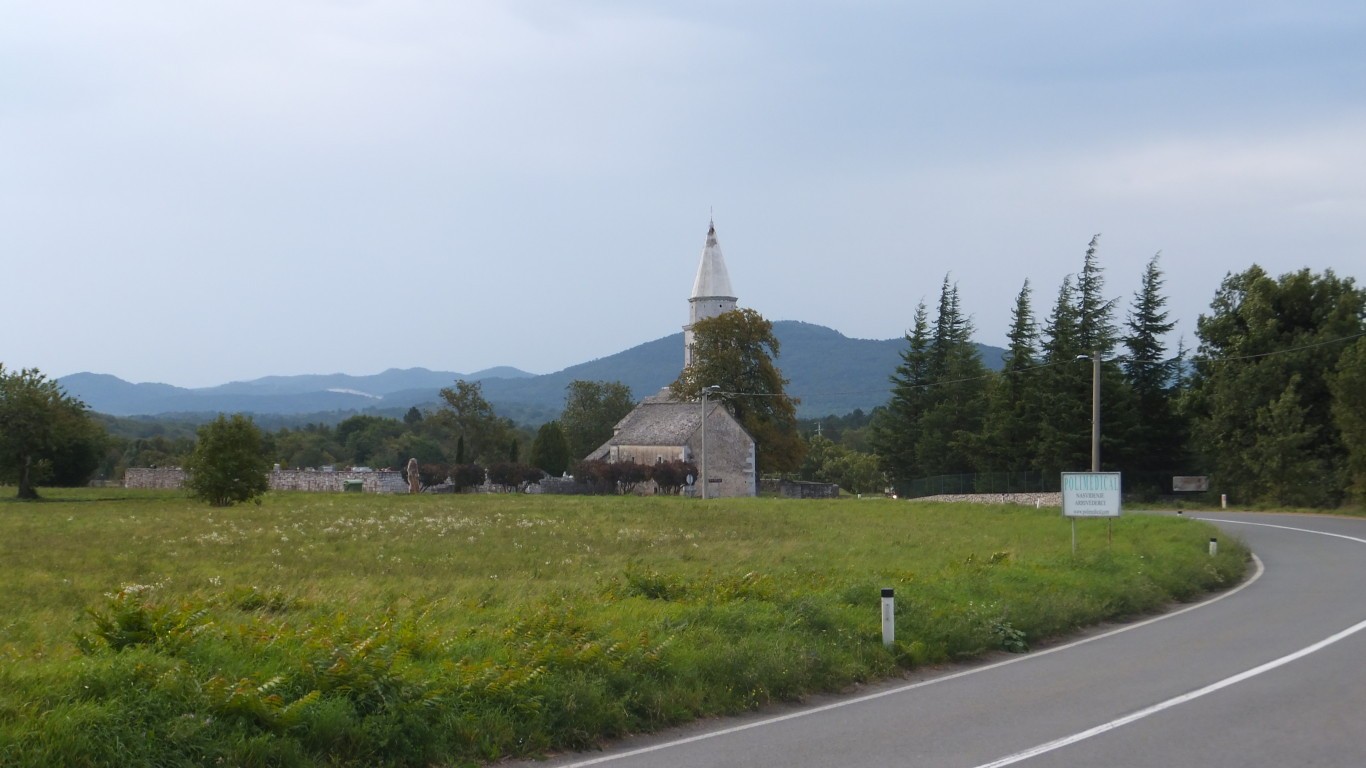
{"x":662,"y":428}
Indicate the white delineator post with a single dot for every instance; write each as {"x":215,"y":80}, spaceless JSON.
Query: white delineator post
{"x":888,"y":616}
{"x":1213,"y":547}
{"x":1223,"y":501}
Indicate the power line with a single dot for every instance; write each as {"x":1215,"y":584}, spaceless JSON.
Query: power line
{"x":1041,"y":366}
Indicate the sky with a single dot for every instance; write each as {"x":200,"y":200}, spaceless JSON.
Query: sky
{"x":201,"y":192}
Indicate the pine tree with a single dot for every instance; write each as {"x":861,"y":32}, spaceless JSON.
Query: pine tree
{"x":895,"y":430}
{"x":1063,"y":442}
{"x":1158,"y":438}
{"x":951,"y":423}
{"x":1096,"y":331}
{"x":1012,"y":419}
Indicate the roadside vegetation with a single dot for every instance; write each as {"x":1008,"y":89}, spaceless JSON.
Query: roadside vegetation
{"x":334,"y":629}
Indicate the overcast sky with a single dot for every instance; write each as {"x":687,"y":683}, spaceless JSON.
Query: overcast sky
{"x":199,"y":192}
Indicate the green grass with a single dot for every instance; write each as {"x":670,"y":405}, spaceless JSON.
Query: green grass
{"x":335,"y":629}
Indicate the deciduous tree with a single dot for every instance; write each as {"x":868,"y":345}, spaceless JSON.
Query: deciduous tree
{"x":734,"y":352}
{"x":45,"y":434}
{"x":465,"y":413}
{"x":591,"y":410}
{"x":1263,"y":378}
{"x":1349,"y":413}
{"x":229,"y":464}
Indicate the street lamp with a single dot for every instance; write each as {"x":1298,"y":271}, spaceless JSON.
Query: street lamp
{"x":705,"y":391}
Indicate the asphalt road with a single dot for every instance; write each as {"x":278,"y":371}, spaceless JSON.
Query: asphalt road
{"x":1270,"y":674}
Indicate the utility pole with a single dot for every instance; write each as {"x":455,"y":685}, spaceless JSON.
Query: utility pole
{"x":1095,"y":411}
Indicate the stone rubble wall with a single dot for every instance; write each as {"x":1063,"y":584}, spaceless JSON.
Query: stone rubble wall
{"x":1027,"y":499}
{"x":154,"y":477}
{"x":312,"y":480}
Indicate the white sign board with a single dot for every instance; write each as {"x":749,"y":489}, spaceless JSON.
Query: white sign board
{"x":1090,"y":494}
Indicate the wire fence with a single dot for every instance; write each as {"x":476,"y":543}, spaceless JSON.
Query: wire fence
{"x":1147,"y":485}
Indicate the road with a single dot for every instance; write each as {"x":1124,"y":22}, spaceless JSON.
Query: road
{"x":1272,"y":673}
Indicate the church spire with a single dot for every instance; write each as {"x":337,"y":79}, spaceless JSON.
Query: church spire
{"x":713,"y":281}
{"x":711,"y":291}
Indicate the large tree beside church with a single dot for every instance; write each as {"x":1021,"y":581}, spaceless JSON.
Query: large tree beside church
{"x":734,"y":352}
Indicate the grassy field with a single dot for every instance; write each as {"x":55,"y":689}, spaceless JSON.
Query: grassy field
{"x":316,"y":629}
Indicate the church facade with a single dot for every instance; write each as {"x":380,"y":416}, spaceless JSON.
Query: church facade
{"x":662,"y":428}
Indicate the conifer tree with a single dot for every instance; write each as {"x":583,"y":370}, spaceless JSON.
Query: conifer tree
{"x":1158,"y":437}
{"x":951,"y":423}
{"x":1012,"y":419}
{"x":550,"y":449}
{"x":1063,"y":442}
{"x":895,"y":430}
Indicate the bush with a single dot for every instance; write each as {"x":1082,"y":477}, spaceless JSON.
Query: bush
{"x":466,"y":476}
{"x":229,"y":463}
{"x":671,"y":476}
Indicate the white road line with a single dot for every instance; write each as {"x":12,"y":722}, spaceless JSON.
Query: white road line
{"x":1191,"y":696}
{"x":913,"y":686}
{"x":1283,"y":528}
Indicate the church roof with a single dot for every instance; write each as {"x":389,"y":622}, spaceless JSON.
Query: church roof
{"x":660,"y":420}
{"x":712,"y":278}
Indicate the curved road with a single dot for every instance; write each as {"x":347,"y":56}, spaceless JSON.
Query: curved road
{"x":1270,"y":674}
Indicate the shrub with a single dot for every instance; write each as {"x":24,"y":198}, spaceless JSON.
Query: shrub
{"x":229,"y":463}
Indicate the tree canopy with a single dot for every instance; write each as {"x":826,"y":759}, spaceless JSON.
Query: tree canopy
{"x":465,"y":413}
{"x":229,"y":463}
{"x":1262,"y":395}
{"x":550,"y":450}
{"x":591,"y":410}
{"x":45,"y":435}
{"x":734,"y":352}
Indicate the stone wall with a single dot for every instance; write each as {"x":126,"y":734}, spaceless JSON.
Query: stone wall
{"x":730,"y":460}
{"x":1028,"y":499}
{"x":381,"y":481}
{"x":155,"y":477}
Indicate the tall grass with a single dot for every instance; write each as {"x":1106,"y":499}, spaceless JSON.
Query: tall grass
{"x":143,"y":629}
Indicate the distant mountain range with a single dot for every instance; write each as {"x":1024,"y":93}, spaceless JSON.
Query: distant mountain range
{"x":829,"y":372}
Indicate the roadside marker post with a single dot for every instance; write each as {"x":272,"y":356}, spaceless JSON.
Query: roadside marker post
{"x":1213,"y":547}
{"x":888,"y":616}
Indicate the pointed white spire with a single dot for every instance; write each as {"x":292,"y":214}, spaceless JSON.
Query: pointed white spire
{"x":713,"y":281}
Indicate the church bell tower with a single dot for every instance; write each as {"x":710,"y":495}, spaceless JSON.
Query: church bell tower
{"x":711,"y":291}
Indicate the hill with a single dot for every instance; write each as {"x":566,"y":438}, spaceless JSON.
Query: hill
{"x":829,"y":372}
